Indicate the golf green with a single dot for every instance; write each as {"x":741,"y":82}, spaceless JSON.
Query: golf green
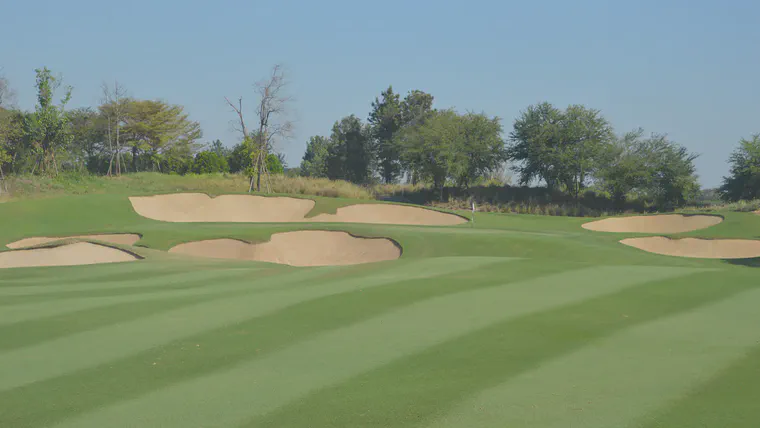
{"x":510,"y":321}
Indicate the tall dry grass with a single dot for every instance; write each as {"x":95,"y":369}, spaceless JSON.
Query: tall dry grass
{"x":491,"y":197}
{"x":24,"y":187}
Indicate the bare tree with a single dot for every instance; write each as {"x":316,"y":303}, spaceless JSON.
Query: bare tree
{"x":239,"y":111}
{"x":272,"y":119}
{"x":7,"y":96}
{"x":113,"y":101}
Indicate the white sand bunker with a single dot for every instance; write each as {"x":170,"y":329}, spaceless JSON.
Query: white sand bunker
{"x":198,"y":207}
{"x":669,"y":223}
{"x":697,"y":248}
{"x":301,"y":248}
{"x":80,"y":253}
{"x":115,"y":238}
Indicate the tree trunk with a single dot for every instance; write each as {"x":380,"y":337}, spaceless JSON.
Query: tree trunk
{"x":118,"y":150}
{"x":260,"y":162}
{"x":134,"y":158}
{"x":258,"y":181}
{"x":55,"y":164}
{"x":110,"y":147}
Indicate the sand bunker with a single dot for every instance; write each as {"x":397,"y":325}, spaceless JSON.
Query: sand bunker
{"x":115,"y":238}
{"x":80,"y":253}
{"x":697,"y":248}
{"x":301,"y":248}
{"x":670,"y":223}
{"x":197,"y":207}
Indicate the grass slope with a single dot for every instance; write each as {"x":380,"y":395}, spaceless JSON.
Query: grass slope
{"x":520,"y":321}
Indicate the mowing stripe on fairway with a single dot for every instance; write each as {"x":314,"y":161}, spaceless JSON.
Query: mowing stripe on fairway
{"x":159,"y":281}
{"x":30,"y":333}
{"x":68,"y":275}
{"x":264,"y":384}
{"x":82,"y":391}
{"x":420,"y":386}
{"x":11,"y":314}
{"x":729,"y":399}
{"x":594,"y":387}
{"x":79,"y":351}
{"x":52,"y":303}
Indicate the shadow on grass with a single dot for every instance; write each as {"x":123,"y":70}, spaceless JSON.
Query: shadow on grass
{"x":755,"y":263}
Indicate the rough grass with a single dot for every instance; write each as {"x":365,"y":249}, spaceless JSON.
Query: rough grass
{"x":489,"y":197}
{"x":26,"y":187}
{"x":740,"y":206}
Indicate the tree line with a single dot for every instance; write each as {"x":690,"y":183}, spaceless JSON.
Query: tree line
{"x":406,"y":139}
{"x":569,"y":150}
{"x":122,"y":134}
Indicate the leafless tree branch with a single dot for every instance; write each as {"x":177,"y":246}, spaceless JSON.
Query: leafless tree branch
{"x":115,"y":111}
{"x":7,"y":96}
{"x":239,"y":111}
{"x":272,"y":118}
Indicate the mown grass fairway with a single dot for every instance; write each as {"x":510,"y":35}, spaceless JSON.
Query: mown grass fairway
{"x":517,"y":321}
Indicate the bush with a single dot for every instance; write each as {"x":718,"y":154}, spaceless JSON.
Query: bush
{"x":209,"y":162}
{"x":176,"y":165}
{"x":274,"y":164}
{"x":239,"y":159}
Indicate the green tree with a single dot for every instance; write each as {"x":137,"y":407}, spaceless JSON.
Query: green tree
{"x":559,"y":147}
{"x":385,"y":120}
{"x":586,"y":137}
{"x":744,"y":181}
{"x":623,"y":167}
{"x":159,"y":132}
{"x":5,"y":145}
{"x":534,"y":143}
{"x":47,"y":129}
{"x":314,"y":162}
{"x":478,"y":149}
{"x":349,"y":156}
{"x":672,"y":179}
{"x":209,"y":161}
{"x":218,"y":148}
{"x":415,"y":107}
{"x":239,"y":158}
{"x":654,"y":168}
{"x":275,"y":165}
{"x":429,"y":146}
{"x":448,"y":146}
{"x":13,"y":150}
{"x":87,"y":138}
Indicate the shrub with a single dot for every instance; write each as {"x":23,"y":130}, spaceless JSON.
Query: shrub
{"x":209,"y":162}
{"x":274,"y":164}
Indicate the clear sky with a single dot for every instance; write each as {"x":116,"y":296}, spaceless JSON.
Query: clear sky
{"x":690,"y":69}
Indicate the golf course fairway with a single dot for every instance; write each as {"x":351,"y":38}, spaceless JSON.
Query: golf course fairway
{"x":510,"y":321}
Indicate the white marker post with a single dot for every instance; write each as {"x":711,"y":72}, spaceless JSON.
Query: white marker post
{"x":473,"y":213}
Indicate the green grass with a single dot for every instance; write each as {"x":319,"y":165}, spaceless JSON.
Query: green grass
{"x":513,"y":320}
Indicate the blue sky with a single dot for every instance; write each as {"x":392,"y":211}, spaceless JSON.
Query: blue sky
{"x":690,"y":69}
